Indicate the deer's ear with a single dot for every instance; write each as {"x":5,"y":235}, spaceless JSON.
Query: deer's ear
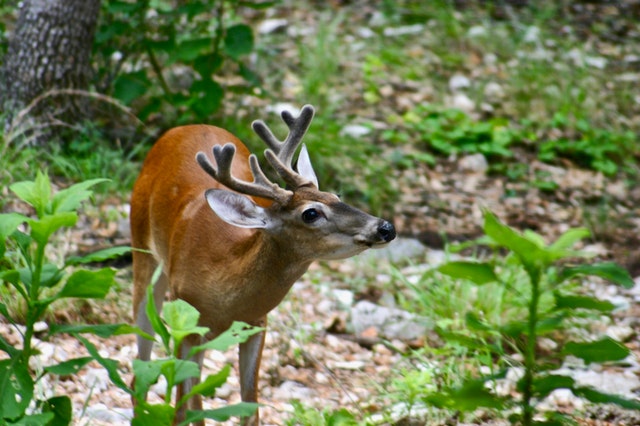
{"x":305,"y":169}
{"x":237,"y":209}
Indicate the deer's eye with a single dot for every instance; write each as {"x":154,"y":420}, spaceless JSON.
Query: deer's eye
{"x":310,"y":215}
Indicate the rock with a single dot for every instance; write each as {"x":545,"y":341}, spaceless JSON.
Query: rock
{"x":462,"y":102}
{"x":621,"y":333}
{"x":493,"y":92}
{"x":290,"y":390}
{"x":269,"y":26}
{"x":398,"y":250}
{"x":459,"y":82}
{"x":96,"y":379}
{"x":110,"y":415}
{"x":355,"y":130}
{"x":389,"y":323}
{"x":404,"y":30}
{"x":475,"y":163}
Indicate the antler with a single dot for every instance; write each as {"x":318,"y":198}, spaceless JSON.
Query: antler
{"x":261,"y":185}
{"x":280,"y":153}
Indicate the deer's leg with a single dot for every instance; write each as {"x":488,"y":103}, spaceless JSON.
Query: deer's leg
{"x":250,"y":357}
{"x":195,"y":402}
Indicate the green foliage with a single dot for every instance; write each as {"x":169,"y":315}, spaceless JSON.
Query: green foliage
{"x":186,"y":45}
{"x":549,"y":303}
{"x":180,"y":320}
{"x":307,"y":416}
{"x":451,"y":131}
{"x":603,"y":150}
{"x":39,"y":284}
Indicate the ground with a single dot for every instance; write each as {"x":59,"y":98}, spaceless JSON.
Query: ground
{"x":311,"y":353}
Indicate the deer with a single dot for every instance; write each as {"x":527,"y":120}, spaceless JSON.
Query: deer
{"x":230,"y":241}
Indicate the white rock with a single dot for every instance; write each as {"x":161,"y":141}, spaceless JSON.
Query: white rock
{"x":459,"y":82}
{"x":493,"y":91}
{"x":290,"y":390}
{"x":532,"y":34}
{"x":621,"y":333}
{"x":462,"y":102}
{"x":283,"y":106}
{"x":344,"y":297}
{"x":477,"y":31}
{"x":596,"y":62}
{"x":269,"y":26}
{"x":110,"y":415}
{"x":475,"y":163}
{"x":404,"y":30}
{"x":355,"y":130}
{"x":389,"y":323}
{"x":96,"y":379}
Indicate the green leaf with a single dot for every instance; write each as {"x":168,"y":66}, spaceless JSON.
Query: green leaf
{"x":582,"y":302}
{"x":189,"y":50}
{"x":207,"y":64}
{"x":182,"y":319}
{"x":88,"y":284}
{"x":206,"y":97}
{"x":37,"y":193}
{"x":68,"y":368}
{"x":470,"y":396}
{"x":98,"y":256}
{"x":9,"y":222}
{"x":69,"y":199}
{"x":243,"y":409}
{"x":478,"y":273}
{"x":606,"y":270}
{"x":153,"y":415}
{"x":131,"y":86}
{"x":603,"y":398}
{"x":527,"y":251}
{"x":605,"y":349}
{"x":152,"y":314}
{"x":100,"y":330}
{"x":60,"y":407}
{"x":17,"y":388}
{"x":209,"y":385}
{"x":43,"y":228}
{"x":110,"y":365}
{"x":570,"y":238}
{"x":238,"y":41}
{"x":239,"y":332}
{"x":544,"y":385}
{"x":146,"y":374}
{"x":35,"y":420}
{"x":179,"y":370}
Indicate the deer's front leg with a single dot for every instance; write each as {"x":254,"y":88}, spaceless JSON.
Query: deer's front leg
{"x":195,"y":402}
{"x":250,"y":357}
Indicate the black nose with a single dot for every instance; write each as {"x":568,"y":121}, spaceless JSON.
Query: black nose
{"x":386,"y":231}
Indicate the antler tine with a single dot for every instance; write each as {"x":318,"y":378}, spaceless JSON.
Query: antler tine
{"x":261,"y":185}
{"x":297,"y":129}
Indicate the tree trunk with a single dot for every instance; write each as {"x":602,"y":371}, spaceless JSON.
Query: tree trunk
{"x":49,"y":50}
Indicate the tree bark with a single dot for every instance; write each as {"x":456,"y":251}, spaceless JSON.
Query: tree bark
{"x":50,"y":49}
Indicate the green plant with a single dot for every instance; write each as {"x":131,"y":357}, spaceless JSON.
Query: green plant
{"x":603,"y":150}
{"x":451,"y":131}
{"x":307,"y":416}
{"x":179,"y":321}
{"x":184,"y":45}
{"x":40,"y":283}
{"x":550,"y":303}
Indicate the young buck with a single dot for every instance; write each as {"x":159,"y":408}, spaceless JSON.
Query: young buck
{"x":233,"y":246}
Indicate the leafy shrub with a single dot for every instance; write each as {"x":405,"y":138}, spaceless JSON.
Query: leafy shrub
{"x":451,"y":131}
{"x":39,"y":284}
{"x":184,"y":44}
{"x":550,"y":303}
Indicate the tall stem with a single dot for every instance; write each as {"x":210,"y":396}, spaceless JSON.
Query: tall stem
{"x":530,"y":349}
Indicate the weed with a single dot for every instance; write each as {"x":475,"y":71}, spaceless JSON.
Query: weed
{"x":538,"y":278}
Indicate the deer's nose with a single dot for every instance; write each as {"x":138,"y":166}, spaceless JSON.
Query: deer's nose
{"x":386,"y":231}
